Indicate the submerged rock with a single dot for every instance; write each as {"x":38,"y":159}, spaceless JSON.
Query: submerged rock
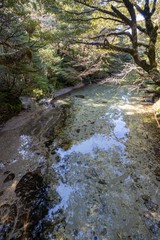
{"x":105,"y":182}
{"x":10,"y":177}
{"x":157,"y":173}
{"x":22,"y":218}
{"x":79,"y":96}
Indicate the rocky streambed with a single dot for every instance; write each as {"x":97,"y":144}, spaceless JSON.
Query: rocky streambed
{"x":24,"y":170}
{"x":87,"y":169}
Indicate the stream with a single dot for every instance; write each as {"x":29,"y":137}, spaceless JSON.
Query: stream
{"x":102,"y":168}
{"x":108,"y":168}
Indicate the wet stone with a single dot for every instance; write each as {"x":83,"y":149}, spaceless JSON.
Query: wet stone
{"x":157,"y":171}
{"x":6,"y":172}
{"x":155,"y":229}
{"x":102,"y":181}
{"x":1,"y":193}
{"x":79,"y":96}
{"x":21,"y":219}
{"x":158,"y":178}
{"x":77,"y":130}
{"x":150,"y":205}
{"x":29,"y":186}
{"x":137,"y":237}
{"x":95,"y":238}
{"x":10,"y":177}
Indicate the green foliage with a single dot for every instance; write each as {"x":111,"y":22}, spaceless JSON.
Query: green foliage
{"x":9,"y":106}
{"x":109,"y":25}
{"x":40,"y":50}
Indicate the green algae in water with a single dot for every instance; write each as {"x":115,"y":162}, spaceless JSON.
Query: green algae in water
{"x":147,"y":120}
{"x":103,"y":184}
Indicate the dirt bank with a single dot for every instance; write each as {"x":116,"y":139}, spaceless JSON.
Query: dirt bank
{"x":24,"y":142}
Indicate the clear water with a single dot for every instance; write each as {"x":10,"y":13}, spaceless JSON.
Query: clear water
{"x":104,"y":174}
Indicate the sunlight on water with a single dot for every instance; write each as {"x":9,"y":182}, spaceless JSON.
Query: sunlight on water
{"x":89,"y":146}
{"x":24,"y":148}
{"x":98,"y":183}
{"x":64,"y":192}
{"x":120,"y":129}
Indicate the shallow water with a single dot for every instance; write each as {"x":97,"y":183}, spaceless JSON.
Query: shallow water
{"x":88,"y":169}
{"x":107,"y":158}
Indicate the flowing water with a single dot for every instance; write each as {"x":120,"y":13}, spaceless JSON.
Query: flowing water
{"x":99,"y":155}
{"x":107,"y":159}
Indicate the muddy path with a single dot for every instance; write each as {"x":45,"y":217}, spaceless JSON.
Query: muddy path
{"x":108,"y":168}
{"x":88,"y":169}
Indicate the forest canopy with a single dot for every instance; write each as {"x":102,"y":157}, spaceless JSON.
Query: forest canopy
{"x":116,"y":25}
{"x":46,"y":44}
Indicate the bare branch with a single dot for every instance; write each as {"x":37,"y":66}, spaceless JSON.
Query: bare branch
{"x":79,"y":13}
{"x":141,"y":29}
{"x":139,"y":9}
{"x":106,"y":45}
{"x":97,"y":44}
{"x":96,"y":8}
{"x":96,"y":18}
{"x":121,"y":16}
{"x":146,"y":7}
{"x":153,"y":7}
{"x":120,"y":34}
{"x":130,"y":8}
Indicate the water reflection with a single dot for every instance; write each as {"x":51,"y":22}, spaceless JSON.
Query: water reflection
{"x":99,"y":188}
{"x":64,"y":192}
{"x":91,"y":145}
{"x":85,"y":160}
{"x":24,"y":148}
{"x":26,"y":152}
